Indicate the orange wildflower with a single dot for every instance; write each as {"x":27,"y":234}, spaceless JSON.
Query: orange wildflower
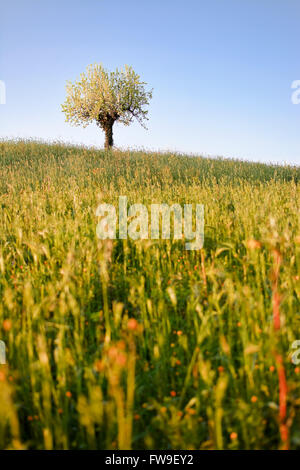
{"x":121,"y":359}
{"x":253,"y":244}
{"x":276,"y":312}
{"x":99,"y":365}
{"x":132,"y":324}
{"x":112,"y":352}
{"x":7,"y":324}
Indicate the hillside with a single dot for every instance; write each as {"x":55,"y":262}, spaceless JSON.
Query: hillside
{"x":143,"y":344}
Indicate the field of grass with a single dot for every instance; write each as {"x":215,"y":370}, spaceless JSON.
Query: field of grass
{"x":141,"y":344}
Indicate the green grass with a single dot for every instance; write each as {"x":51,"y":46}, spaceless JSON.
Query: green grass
{"x":200,"y":368}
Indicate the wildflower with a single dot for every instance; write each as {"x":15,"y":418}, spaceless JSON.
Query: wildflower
{"x":60,"y":411}
{"x":173,"y":393}
{"x":233,"y":436}
{"x":276,"y":313}
{"x":7,"y":324}
{"x":297,"y":370}
{"x":221,"y":369}
{"x":271,"y":368}
{"x":179,"y":333}
{"x":284,"y":432}
{"x":112,"y":352}
{"x":68,"y":394}
{"x":163,"y":409}
{"x":29,"y":418}
{"x":121,"y":359}
{"x":132,"y":324}
{"x":99,"y":365}
{"x":136,"y":417}
{"x":239,"y":324}
{"x":253,"y":244}
{"x":254,"y":399}
{"x":277,"y":256}
{"x":178,"y":362}
{"x":179,"y":413}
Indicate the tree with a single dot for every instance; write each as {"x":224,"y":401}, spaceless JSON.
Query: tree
{"x":106,"y":97}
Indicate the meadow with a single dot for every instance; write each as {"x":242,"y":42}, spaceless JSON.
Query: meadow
{"x":142,"y":344}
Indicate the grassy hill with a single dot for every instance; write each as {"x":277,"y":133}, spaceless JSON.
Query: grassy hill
{"x":143,"y":344}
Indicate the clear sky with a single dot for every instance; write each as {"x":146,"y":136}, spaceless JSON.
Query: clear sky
{"x":221,"y":71}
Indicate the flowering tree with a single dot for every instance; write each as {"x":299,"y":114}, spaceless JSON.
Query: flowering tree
{"x":106,"y":97}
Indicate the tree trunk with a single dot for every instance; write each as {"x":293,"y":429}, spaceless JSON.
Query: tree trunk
{"x":109,"y":135}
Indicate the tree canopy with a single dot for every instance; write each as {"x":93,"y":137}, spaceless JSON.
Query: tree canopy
{"x":106,"y":97}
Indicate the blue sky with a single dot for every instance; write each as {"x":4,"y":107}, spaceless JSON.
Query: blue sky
{"x":221,"y":71}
